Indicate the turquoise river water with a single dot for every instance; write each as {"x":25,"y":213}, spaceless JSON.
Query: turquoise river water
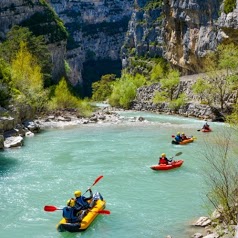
{"x":143,"y":203}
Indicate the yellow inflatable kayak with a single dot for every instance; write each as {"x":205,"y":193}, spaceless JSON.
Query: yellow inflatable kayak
{"x":100,"y":204}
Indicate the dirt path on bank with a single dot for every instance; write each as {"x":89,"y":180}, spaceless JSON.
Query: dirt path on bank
{"x":192,"y":77}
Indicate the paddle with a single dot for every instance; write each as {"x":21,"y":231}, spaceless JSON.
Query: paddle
{"x":50,"y":208}
{"x":178,"y":154}
{"x":96,"y":180}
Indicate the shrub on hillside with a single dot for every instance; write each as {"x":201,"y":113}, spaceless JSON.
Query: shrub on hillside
{"x":63,"y":99}
{"x":124,"y":90}
{"x":229,"y":5}
{"x":103,"y":88}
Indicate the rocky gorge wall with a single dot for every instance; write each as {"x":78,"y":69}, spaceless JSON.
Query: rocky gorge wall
{"x":40,"y":19}
{"x":96,"y":30}
{"x":181,"y":31}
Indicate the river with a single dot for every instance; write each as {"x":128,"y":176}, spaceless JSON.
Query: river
{"x":143,"y":203}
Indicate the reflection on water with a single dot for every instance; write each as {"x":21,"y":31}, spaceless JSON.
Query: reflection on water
{"x":7,"y":163}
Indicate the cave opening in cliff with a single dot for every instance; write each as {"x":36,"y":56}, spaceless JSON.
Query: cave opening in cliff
{"x":94,"y":70}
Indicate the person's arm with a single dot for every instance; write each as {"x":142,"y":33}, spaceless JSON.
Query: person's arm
{"x":77,"y":211}
{"x":169,"y":160}
{"x":91,"y":195}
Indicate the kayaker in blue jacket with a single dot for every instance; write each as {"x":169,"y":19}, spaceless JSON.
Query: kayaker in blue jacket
{"x":70,"y":212}
{"x":82,"y":202}
{"x":178,"y":138}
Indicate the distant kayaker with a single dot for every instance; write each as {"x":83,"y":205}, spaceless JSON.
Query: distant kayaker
{"x":178,"y":138}
{"x":164,"y":160}
{"x":82,"y":202}
{"x":183,"y":136}
{"x":70,"y":212}
{"x":206,"y":126}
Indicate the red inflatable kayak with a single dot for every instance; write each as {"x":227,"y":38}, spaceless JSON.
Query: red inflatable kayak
{"x":173,"y":165}
{"x":206,"y":130}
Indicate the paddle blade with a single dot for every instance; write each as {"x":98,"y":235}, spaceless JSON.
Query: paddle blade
{"x":199,"y":130}
{"x":173,"y":136}
{"x":179,"y":153}
{"x":50,"y":208}
{"x":97,"y":179}
{"x":105,"y":212}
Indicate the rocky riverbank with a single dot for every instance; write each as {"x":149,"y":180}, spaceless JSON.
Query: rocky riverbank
{"x":192,"y":106}
{"x":13,"y":131}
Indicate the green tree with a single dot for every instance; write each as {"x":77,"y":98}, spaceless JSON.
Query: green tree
{"x":221,"y":78}
{"x":229,"y":5}
{"x":169,"y":91}
{"x":170,"y":84}
{"x":229,"y":62}
{"x":103,"y":88}
{"x":27,"y":79}
{"x":5,"y":72}
{"x":64,"y":99}
{"x":124,"y":90}
{"x":157,"y":73}
{"x":203,"y":89}
{"x":5,"y":79}
{"x":36,"y":46}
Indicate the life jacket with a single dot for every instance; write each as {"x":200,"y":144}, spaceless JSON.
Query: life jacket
{"x":184,"y":137}
{"x":80,"y":202}
{"x":162,"y":160}
{"x":68,"y":214}
{"x":177,"y":138}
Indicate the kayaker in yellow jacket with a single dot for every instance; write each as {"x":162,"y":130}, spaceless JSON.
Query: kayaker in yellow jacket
{"x":70,"y":212}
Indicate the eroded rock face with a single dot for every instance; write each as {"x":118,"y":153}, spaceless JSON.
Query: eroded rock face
{"x":96,"y":30}
{"x":229,"y":25}
{"x":199,"y":26}
{"x":182,"y":31}
{"x":36,"y":15}
{"x":191,"y":31}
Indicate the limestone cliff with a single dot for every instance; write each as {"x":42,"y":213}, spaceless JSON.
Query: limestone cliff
{"x":228,"y":23}
{"x":39,"y":17}
{"x":96,"y":31}
{"x":181,"y":31}
{"x":191,"y":30}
